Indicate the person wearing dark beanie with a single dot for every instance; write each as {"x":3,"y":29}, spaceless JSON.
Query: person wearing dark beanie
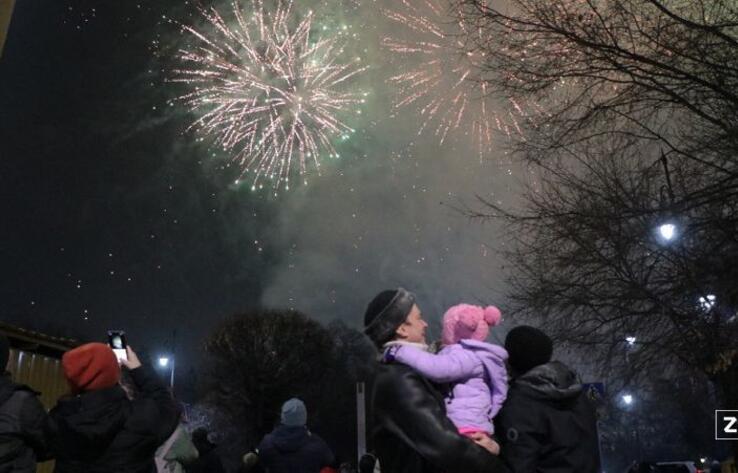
{"x":547,"y":421}
{"x":527,"y":347}
{"x":24,"y":425}
{"x":387,"y":313}
{"x":411,"y":432}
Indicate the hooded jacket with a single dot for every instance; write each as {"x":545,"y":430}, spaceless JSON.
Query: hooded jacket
{"x":478,"y":372}
{"x":410,"y":430}
{"x":547,"y":424}
{"x":103,"y":431}
{"x":294,"y":449}
{"x":23,"y":428}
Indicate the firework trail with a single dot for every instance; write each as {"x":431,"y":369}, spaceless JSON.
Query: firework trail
{"x":265,"y":90}
{"x":443,"y":81}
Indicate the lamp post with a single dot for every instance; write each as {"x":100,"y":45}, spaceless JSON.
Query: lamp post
{"x":167,"y":359}
{"x":668,"y":229}
{"x":628,"y":401}
{"x":164,"y":362}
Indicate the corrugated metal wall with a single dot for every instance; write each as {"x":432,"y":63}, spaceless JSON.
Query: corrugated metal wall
{"x":43,"y":374}
{"x":6,"y":10}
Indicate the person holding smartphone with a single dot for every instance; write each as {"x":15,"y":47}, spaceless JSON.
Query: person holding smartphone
{"x":97,"y":428}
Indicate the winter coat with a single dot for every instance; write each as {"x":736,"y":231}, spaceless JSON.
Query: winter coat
{"x":480,"y":377}
{"x":294,"y":449}
{"x":178,"y":450}
{"x":103,"y":431}
{"x":548,"y":424}
{"x":410,"y":430}
{"x":23,"y":424}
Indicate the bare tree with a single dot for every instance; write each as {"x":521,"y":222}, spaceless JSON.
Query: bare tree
{"x":258,"y":360}
{"x":589,"y":260}
{"x":661,"y":75}
{"x":629,"y":110}
{"x":660,"y":71}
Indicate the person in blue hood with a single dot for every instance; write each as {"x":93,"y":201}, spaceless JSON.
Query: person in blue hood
{"x":291,"y":447}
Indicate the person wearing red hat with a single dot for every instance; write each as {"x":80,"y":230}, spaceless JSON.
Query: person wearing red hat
{"x":97,"y":428}
{"x":91,"y":367}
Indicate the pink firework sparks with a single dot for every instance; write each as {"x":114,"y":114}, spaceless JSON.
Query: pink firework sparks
{"x":442,"y":80}
{"x":265,"y":90}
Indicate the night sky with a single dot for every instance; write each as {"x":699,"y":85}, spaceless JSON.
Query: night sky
{"x":116,"y":216}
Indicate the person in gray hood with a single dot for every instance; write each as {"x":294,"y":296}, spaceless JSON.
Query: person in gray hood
{"x":547,"y":423}
{"x":291,"y":447}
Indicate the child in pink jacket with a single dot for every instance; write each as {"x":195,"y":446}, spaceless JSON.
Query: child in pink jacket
{"x":476,"y":368}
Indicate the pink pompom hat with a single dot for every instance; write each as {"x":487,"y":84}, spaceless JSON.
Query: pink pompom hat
{"x":466,"y":321}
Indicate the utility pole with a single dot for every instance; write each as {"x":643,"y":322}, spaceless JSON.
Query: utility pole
{"x":174,"y":359}
{"x":171,"y":378}
{"x":360,"y":421}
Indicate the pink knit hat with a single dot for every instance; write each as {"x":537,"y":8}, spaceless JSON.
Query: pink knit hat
{"x":466,"y":321}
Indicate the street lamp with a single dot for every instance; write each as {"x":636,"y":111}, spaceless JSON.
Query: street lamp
{"x":628,"y":401}
{"x":631,"y":340}
{"x":707,"y":302}
{"x":163,"y":361}
{"x":667,"y":231}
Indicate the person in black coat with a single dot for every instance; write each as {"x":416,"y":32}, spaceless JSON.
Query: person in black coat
{"x":291,"y":447}
{"x":23,"y":422}
{"x":410,"y":430}
{"x":98,"y":428}
{"x":547,"y":423}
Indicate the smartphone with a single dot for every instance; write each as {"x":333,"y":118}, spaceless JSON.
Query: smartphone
{"x":117,"y":341}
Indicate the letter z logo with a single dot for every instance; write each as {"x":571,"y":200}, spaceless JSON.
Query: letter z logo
{"x":726,"y":425}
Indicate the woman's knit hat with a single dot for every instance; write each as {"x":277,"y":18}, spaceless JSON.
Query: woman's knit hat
{"x":91,"y":367}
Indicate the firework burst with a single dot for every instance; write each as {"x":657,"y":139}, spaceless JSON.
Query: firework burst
{"x":266,"y":91}
{"x":443,"y":81}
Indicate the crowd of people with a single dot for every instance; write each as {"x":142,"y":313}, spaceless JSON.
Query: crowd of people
{"x":468,"y":407}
